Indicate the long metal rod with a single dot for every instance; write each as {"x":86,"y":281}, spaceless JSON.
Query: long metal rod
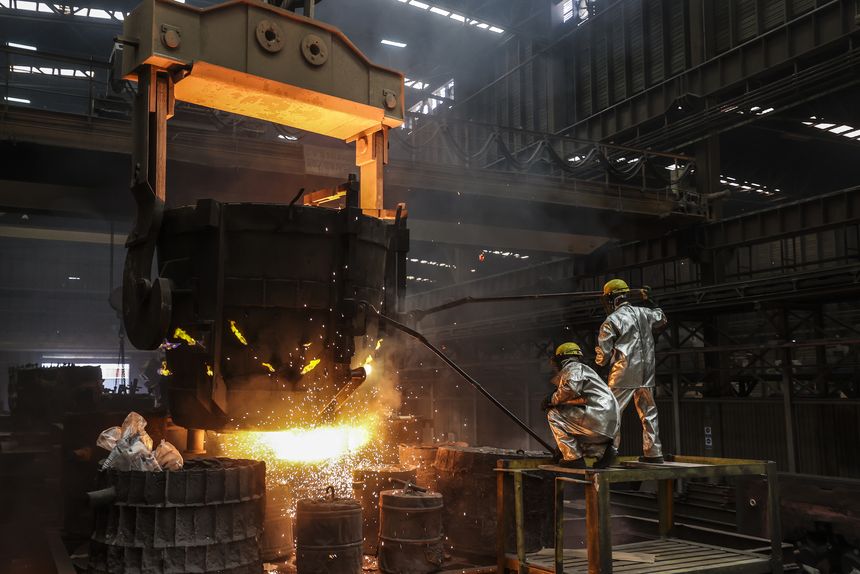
{"x":416,"y":335}
{"x":421,"y":313}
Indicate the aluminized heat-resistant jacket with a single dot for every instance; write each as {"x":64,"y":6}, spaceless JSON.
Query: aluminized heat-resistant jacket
{"x":599,"y":415}
{"x":626,"y":342}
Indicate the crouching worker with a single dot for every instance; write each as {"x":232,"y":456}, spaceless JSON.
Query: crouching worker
{"x":582,"y":412}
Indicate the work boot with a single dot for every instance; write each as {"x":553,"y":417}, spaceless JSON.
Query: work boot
{"x":575,"y":463}
{"x":609,"y":458}
{"x":652,"y":459}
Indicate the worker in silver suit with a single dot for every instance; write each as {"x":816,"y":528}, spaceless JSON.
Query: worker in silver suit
{"x":626,"y":343}
{"x":581,"y":411}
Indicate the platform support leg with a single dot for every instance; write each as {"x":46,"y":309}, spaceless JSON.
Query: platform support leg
{"x":519,"y":522}
{"x":774,"y":524}
{"x":501,"y":523}
{"x":599,"y":535}
{"x":665,"y":500}
{"x":559,"y":526}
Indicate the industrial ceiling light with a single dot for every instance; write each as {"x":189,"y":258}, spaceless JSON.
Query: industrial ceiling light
{"x":393,"y":43}
{"x":22,"y":46}
{"x":17,"y":100}
{"x":415,"y":84}
{"x":433,"y":263}
{"x":748,"y":186}
{"x":51,"y":71}
{"x":844,"y":130}
{"x":78,"y":11}
{"x":454,"y":16}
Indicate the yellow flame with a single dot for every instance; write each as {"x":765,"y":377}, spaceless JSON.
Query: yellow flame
{"x":209,"y":371}
{"x":182,"y":335}
{"x":378,"y":344}
{"x":238,"y":333}
{"x":310,"y":366}
{"x":303,"y":445}
{"x":368,"y":368}
{"x":164,"y":371}
{"x":270,"y":367}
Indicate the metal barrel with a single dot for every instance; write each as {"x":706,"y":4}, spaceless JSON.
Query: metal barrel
{"x":277,"y":540}
{"x":410,"y":532}
{"x":467,"y":481}
{"x":422,"y":457}
{"x":204,"y":518}
{"x":366,"y":486}
{"x":328,"y":536}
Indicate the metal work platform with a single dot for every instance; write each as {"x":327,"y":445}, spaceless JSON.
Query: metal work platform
{"x":667,"y":553}
{"x":666,"y":556}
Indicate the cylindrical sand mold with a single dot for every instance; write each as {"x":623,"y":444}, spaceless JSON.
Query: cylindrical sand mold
{"x":204,"y":518}
{"x":277,"y":540}
{"x":410,"y":532}
{"x":366,"y":486}
{"x":423,"y":458}
{"x":328,"y":537}
{"x":467,"y":481}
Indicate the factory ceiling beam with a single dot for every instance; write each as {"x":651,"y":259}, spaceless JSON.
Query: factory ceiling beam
{"x":420,"y":230}
{"x":795,"y":219}
{"x":526,"y":187}
{"x":61,"y":199}
{"x":502,"y":237}
{"x":20,"y":16}
{"x":67,"y":235}
{"x":218,"y":150}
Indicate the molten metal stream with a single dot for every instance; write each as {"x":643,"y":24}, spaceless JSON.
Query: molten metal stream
{"x":306,"y":445}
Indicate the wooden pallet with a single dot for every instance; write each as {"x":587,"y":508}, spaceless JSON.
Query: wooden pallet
{"x":672,"y":556}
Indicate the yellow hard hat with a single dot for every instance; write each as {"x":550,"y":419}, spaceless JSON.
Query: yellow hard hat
{"x":568,"y":350}
{"x":615,"y":286}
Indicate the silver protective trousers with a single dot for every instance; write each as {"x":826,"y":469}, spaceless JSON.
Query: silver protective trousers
{"x":643,"y":398}
{"x":575,"y":440}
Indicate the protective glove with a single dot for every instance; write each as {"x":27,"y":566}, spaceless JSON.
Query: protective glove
{"x":546,"y":403}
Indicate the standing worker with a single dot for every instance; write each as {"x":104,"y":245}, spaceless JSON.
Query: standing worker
{"x":626,"y":342}
{"x":582,"y":413}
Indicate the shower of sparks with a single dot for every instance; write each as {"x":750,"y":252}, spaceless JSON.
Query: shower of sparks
{"x":307,"y":460}
{"x":209,"y":371}
{"x":309,"y":452}
{"x":164,"y":371}
{"x":238,"y":333}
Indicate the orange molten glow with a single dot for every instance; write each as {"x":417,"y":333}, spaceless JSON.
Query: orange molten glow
{"x":309,"y":458}
{"x":304,"y":445}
